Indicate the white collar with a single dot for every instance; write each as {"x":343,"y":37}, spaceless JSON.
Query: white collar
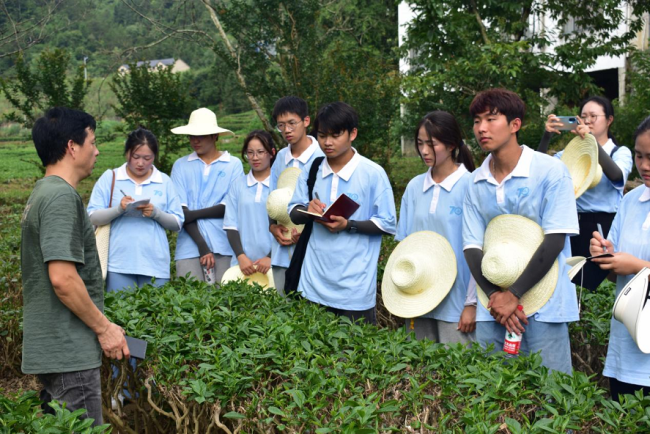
{"x":306,"y":154}
{"x":347,"y":170}
{"x":609,"y":146}
{"x":522,"y":169}
{"x":122,"y":175}
{"x":447,"y":183}
{"x":645,"y":196}
{"x":251,"y":181}
{"x":225,"y":157}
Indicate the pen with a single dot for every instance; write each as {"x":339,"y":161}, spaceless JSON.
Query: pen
{"x":122,"y":191}
{"x":316,"y":195}
{"x":600,"y":231}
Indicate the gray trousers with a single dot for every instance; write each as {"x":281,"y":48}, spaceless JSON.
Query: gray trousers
{"x":438,"y":331}
{"x":193,"y":266}
{"x":78,"y":389}
{"x":278,"y":278}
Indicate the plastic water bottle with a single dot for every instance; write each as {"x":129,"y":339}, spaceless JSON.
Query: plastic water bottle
{"x":208,"y":275}
{"x":512,"y":342}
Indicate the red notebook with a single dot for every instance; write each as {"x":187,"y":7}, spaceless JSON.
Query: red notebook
{"x":343,"y":206}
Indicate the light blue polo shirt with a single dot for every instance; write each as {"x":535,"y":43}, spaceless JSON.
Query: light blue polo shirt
{"x":340,"y":269}
{"x":630,"y":233}
{"x":606,"y":195}
{"x":200,"y":186}
{"x":281,"y":255}
{"x":137,"y":245}
{"x":246,"y":213}
{"x":539,"y":188}
{"x":428,"y":206}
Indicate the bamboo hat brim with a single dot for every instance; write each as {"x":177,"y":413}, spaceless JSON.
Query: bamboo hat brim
{"x":234,"y":273}
{"x":289,"y":178}
{"x":581,"y":158}
{"x":509,"y":244}
{"x":419,"y":274}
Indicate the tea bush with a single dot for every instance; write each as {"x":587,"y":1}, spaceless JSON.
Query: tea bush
{"x":241,"y":359}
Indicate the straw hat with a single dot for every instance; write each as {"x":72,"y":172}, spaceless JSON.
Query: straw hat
{"x":202,"y":122}
{"x":278,"y":200}
{"x":234,"y":273}
{"x":581,"y":158}
{"x":632,"y":310}
{"x":509,"y":244}
{"x":419,"y":274}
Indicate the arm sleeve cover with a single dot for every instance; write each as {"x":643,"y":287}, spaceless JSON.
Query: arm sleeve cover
{"x":105,"y":216}
{"x":194,"y":232}
{"x":539,"y":264}
{"x":166,"y":220}
{"x":235,"y":241}
{"x":610,"y":168}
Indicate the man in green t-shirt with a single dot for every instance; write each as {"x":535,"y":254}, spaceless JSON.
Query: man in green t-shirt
{"x":64,"y":328}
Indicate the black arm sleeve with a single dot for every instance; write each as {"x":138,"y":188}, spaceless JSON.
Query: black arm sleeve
{"x":474,"y":257}
{"x":539,"y":264}
{"x":367,"y":227}
{"x":299,"y":218}
{"x":194,"y":232}
{"x":610,"y":168}
{"x":543,"y":144}
{"x":235,"y":241}
{"x":214,"y":212}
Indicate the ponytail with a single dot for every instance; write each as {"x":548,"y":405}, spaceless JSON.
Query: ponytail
{"x":463,"y":155}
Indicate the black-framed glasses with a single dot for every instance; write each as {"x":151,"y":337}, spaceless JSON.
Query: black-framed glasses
{"x":291,"y":125}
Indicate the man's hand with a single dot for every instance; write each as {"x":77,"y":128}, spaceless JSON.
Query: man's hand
{"x":621,"y":263}
{"x":113,"y":342}
{"x":263,"y":265}
{"x":337,"y":225}
{"x":207,"y":261}
{"x":245,"y":265}
{"x":147,"y":210}
{"x":467,"y":323}
{"x":502,"y":305}
{"x":598,"y":244}
{"x":514,"y":323}
{"x":316,"y":206}
{"x":278,"y":232}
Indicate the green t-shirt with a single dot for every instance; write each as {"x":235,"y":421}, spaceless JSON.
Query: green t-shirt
{"x":56,"y":227}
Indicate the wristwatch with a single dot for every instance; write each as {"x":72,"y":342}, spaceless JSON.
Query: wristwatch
{"x":352,"y":227}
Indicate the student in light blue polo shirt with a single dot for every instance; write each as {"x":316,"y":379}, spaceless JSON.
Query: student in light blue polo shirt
{"x":514,"y":179}
{"x":433,"y":201}
{"x":626,"y":366}
{"x":339,"y":270}
{"x":598,"y":204}
{"x":291,"y":115}
{"x":138,"y":246}
{"x":202,"y":180}
{"x":246,"y":221}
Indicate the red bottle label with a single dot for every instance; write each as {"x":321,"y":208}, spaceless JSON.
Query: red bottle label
{"x":512,"y":343}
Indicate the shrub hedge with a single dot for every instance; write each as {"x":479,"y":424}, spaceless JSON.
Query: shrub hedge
{"x":240,"y":359}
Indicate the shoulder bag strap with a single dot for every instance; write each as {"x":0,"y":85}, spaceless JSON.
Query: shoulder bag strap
{"x":311,"y":180}
{"x":110,"y":201}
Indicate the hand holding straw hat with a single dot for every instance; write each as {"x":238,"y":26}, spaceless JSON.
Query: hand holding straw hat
{"x":419,"y":274}
{"x":235,"y":273}
{"x":509,"y":244}
{"x":278,"y":200}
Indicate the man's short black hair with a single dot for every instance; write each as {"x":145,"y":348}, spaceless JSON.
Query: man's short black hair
{"x":59,"y":125}
{"x":336,"y":117}
{"x":498,"y":101}
{"x":290,"y":104}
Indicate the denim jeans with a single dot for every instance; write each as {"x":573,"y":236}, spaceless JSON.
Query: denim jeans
{"x":78,"y":389}
{"x":550,"y":339}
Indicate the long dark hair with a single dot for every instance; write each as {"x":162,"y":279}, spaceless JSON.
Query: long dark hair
{"x":444,"y":128}
{"x":608,"y":108}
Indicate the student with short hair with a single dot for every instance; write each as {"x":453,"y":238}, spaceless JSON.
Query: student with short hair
{"x":627,"y":368}
{"x":202,"y":179}
{"x":291,"y":115}
{"x":433,"y":201}
{"x":138,"y":247}
{"x":246,"y":221}
{"x":339,"y":270}
{"x":514,"y":179}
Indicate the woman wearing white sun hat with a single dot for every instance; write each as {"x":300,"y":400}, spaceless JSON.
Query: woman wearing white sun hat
{"x":626,"y":366}
{"x":202,"y":180}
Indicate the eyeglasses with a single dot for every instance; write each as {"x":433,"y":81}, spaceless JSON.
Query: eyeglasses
{"x":252,"y":154}
{"x":291,"y":125}
{"x":590,"y":118}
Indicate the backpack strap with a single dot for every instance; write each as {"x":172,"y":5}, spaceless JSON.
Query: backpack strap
{"x":611,"y":154}
{"x":311,"y":180}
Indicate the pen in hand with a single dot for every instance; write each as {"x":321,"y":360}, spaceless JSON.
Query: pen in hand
{"x":122,"y":191}
{"x":600,"y":231}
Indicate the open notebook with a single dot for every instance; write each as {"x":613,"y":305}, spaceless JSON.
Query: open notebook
{"x":343,"y":206}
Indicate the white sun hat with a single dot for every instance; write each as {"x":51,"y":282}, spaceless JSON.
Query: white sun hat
{"x":202,"y":122}
{"x":234,"y":273}
{"x":581,"y":158}
{"x":633,"y":310}
{"x":419,"y":274}
{"x":278,"y":200}
{"x":509,"y":244}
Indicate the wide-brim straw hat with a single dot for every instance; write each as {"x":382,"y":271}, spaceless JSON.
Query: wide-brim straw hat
{"x":203,"y":122}
{"x":419,"y":274}
{"x":581,"y":158}
{"x":509,"y":244}
{"x":234,"y":273}
{"x":632,"y":310}
{"x":278,"y":200}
